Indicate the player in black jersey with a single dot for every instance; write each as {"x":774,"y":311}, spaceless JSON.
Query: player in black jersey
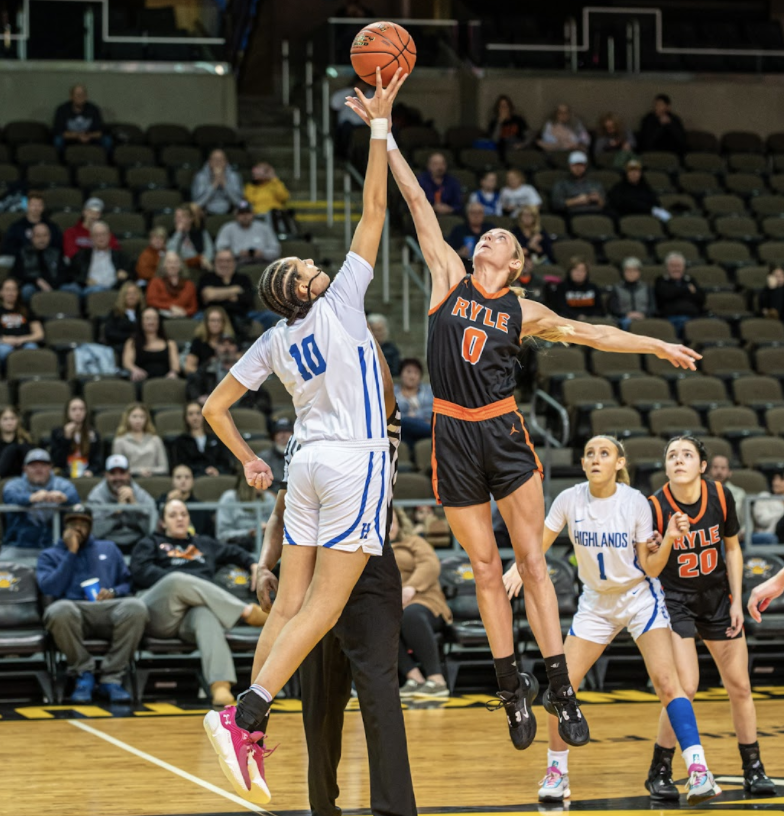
{"x":481,"y":446}
{"x":702,"y":589}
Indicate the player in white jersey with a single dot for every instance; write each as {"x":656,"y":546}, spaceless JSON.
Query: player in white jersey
{"x":338,"y":484}
{"x":609,"y":526}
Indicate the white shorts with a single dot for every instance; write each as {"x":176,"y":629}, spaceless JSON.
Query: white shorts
{"x":337,"y":497}
{"x":602,"y":615}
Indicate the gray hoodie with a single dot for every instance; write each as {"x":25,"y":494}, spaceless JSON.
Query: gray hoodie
{"x":216,"y":200}
{"x":124,"y":527}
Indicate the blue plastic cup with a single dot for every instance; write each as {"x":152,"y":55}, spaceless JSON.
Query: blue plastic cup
{"x":91,"y":589}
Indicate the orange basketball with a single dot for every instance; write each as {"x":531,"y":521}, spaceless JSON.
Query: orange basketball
{"x":387,"y":46}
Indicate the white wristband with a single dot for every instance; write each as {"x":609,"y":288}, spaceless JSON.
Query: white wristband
{"x":391,"y":143}
{"x":379,"y":128}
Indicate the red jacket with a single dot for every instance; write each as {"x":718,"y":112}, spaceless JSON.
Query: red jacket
{"x":78,"y":237}
{"x":161,"y":296}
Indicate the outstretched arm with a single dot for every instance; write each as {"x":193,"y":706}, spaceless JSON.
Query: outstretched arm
{"x":374,"y":194}
{"x":762,"y":595}
{"x":446,"y":267}
{"x":539,"y":321}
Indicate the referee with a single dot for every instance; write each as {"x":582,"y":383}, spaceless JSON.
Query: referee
{"x":362,"y":646}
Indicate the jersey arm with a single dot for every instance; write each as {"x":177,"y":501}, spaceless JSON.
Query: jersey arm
{"x":732,"y":522}
{"x":346,"y":294}
{"x":256,"y":364}
{"x":558,"y":516}
{"x":643,"y":521}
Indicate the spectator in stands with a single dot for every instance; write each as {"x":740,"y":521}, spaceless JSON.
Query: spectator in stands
{"x":19,"y":234}
{"x":563,"y":131}
{"x":79,"y":122}
{"x":99,"y":267}
{"x":771,"y":298}
{"x":39,"y":267}
{"x":379,"y":328}
{"x":238,"y":524}
{"x":137,"y":440}
{"x":578,"y":195}
{"x":79,"y":236}
{"x":679,"y":298}
{"x":216,"y":188}
{"x":464,"y":237}
{"x":632,"y":195}
{"x":534,"y":285}
{"x":720,"y":471}
{"x":281,"y":431}
{"x":151,"y":256}
{"x":40,"y":491}
{"x":190,"y":240}
{"x":631,"y":299}
{"x":516,"y":194}
{"x":577,"y":297}
{"x":613,"y":137}
{"x":767,"y":511}
{"x":178,"y":570}
{"x":346,"y":120}
{"x":249,"y":240}
{"x":488,"y":194}
{"x":415,"y":399}
{"x":230,"y":289}
{"x":198,"y":447}
{"x":182,"y":490}
{"x":125,"y":317}
{"x":508,"y":129}
{"x":661,"y":129}
{"x":265,"y":191}
{"x":532,"y":237}
{"x":19,"y":328}
{"x":425,"y":610}
{"x":214,"y":323}
{"x":442,"y":190}
{"x":170,"y":291}
{"x":15,"y":442}
{"x":135,"y":519}
{"x":76,"y":446}
{"x":149,"y":353}
{"x":112,"y":614}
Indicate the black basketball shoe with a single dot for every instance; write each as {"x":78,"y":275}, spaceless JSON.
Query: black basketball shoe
{"x":660,"y":783}
{"x":522,"y":723}
{"x":757,"y":782}
{"x":572,"y":726}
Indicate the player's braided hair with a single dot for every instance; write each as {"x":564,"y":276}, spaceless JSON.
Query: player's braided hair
{"x":622,"y":475}
{"x":278,"y":290}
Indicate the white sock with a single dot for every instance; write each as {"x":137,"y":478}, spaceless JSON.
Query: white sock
{"x":558,"y":759}
{"x":694,"y":756}
{"x":261,"y":691}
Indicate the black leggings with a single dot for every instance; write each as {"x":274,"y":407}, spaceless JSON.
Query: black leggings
{"x":418,"y":644}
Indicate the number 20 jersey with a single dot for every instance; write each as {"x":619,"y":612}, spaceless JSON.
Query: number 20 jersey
{"x":474,"y":339}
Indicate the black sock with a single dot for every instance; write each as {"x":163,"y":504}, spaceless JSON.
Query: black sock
{"x":558,"y":675}
{"x":749,"y":755}
{"x":252,"y":712}
{"x":661,"y":756}
{"x":506,"y":672}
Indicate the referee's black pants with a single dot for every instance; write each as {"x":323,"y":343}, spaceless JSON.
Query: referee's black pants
{"x":363,"y":646}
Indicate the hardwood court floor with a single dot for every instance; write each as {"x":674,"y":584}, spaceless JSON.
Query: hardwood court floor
{"x":461,"y":760}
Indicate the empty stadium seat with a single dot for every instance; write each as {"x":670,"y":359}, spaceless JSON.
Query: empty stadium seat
{"x":620,"y":422}
{"x":735,"y":422}
{"x":762,"y":452}
{"x":646,"y":393}
{"x":32,"y":364}
{"x":725,"y":362}
{"x":728,"y":305}
{"x":101,"y":395}
{"x":160,"y":393}
{"x":758,"y":392}
{"x":759,"y":331}
{"x":43,"y":395}
{"x":55,"y":304}
{"x":702,"y":393}
{"x":770,"y":361}
{"x":654,"y":327}
{"x":616,"y":366}
{"x":668,"y":422}
{"x":67,"y":333}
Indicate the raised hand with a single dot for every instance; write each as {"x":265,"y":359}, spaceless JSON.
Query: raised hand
{"x":679,"y":356}
{"x":380,"y":106}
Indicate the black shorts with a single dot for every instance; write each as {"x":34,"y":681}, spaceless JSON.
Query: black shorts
{"x":476,"y":459}
{"x":706,"y":613}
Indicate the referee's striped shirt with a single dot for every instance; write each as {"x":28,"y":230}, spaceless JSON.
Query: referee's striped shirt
{"x":393,"y":432}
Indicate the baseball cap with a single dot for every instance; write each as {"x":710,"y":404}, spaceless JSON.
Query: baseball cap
{"x":117,"y":460}
{"x":244,"y":207}
{"x":79,"y":511}
{"x":37,"y":455}
{"x":94,"y":204}
{"x":282,"y":424}
{"x":633,"y":163}
{"x":578,"y":157}
{"x":226,"y":336}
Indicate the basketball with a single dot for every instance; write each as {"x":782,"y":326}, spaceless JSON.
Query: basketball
{"x":384,"y":45}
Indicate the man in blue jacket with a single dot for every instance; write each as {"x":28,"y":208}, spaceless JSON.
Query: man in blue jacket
{"x":42,"y":492}
{"x":74,"y":616}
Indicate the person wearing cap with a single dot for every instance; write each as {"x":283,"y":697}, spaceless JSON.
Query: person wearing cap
{"x":632,"y":195}
{"x":578,"y":195}
{"x":275,"y":456}
{"x":216,"y":188}
{"x":100,"y":267}
{"x":40,"y":267}
{"x":228,"y":288}
{"x":135,"y":519}
{"x":248,"y":239}
{"x":62,"y":571}
{"x":78,"y":236}
{"x":42,"y":493}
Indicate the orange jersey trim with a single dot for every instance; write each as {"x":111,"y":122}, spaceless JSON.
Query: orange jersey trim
{"x":494,"y":409}
{"x":676,"y":507}
{"x":489,"y":295}
{"x":434,"y":462}
{"x":659,"y":515}
{"x":446,"y":297}
{"x":722,"y":499}
{"x":530,"y":445}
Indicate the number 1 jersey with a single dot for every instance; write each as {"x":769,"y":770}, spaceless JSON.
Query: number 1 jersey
{"x":473,"y":343}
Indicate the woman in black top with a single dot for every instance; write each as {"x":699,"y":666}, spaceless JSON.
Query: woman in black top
{"x":507,"y":129}
{"x":532,"y":237}
{"x":771,"y":298}
{"x":182,"y":489}
{"x":149,"y":353}
{"x":76,"y":447}
{"x":198,"y":447}
{"x":18,"y":326}
{"x":123,"y":321}
{"x":576,"y":297}
{"x":14,"y":442}
{"x":214,"y":324}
